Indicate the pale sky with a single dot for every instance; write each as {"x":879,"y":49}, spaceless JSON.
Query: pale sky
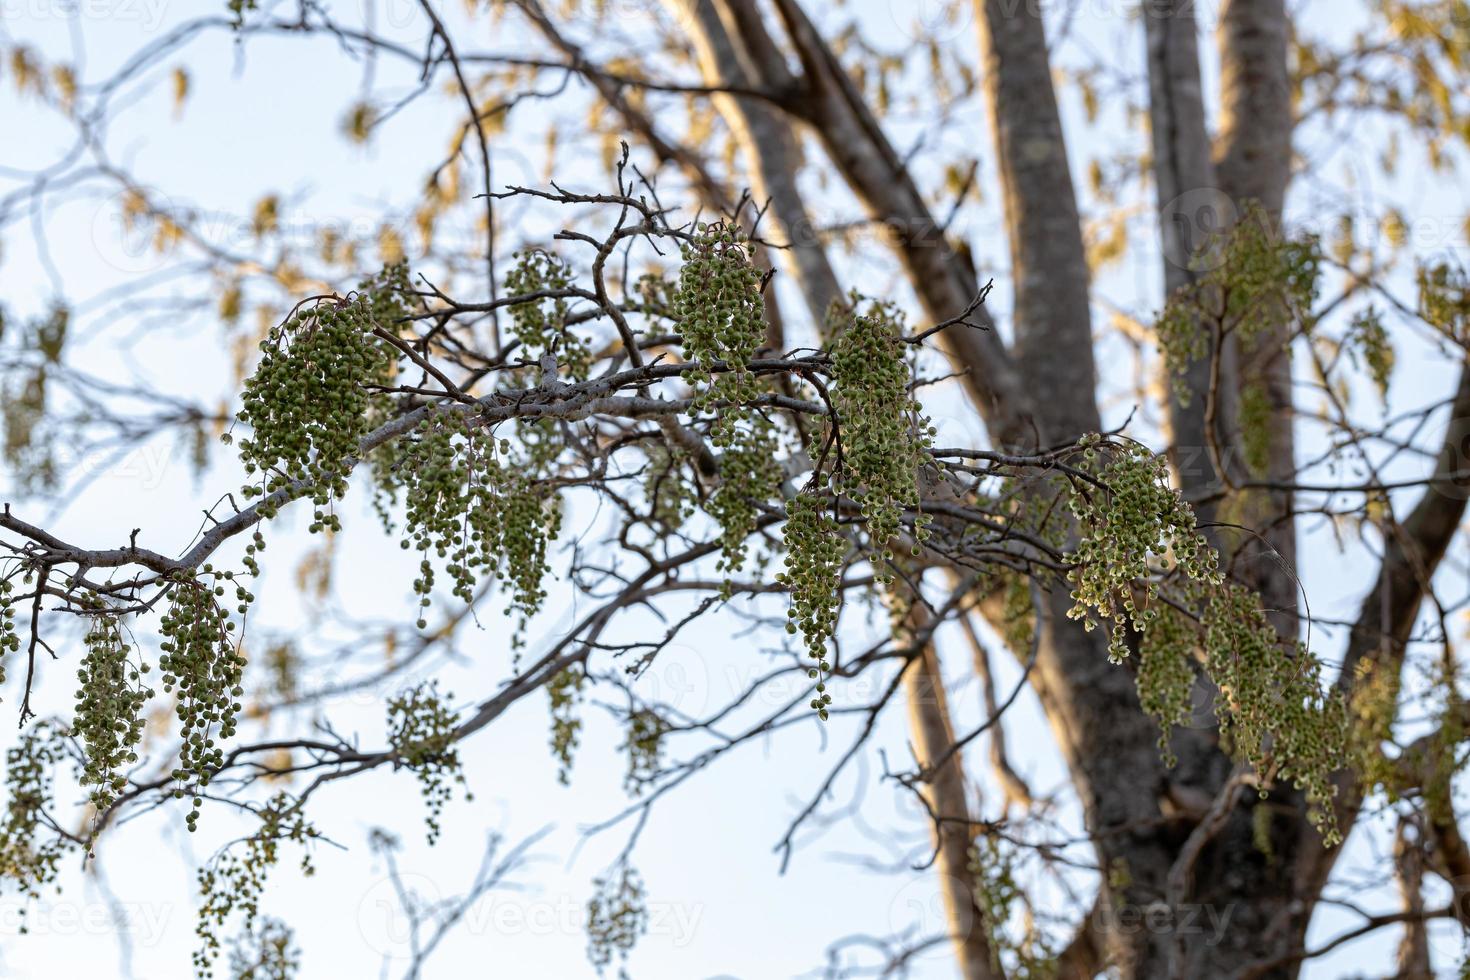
{"x":264,"y":118}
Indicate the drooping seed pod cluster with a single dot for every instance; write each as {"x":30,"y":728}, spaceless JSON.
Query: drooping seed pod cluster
{"x":1166,"y":675}
{"x":234,"y":880}
{"x":541,"y":324}
{"x":109,"y":709}
{"x":1135,"y":532}
{"x":308,"y":401}
{"x":486,"y":516}
{"x":202,"y":665}
{"x":28,"y":854}
{"x":750,"y":476}
{"x":884,"y":434}
{"x":720,"y":317}
{"x":565,"y":692}
{"x":1250,"y":277}
{"x":1132,"y":521}
{"x":9,"y":639}
{"x":814,"y":561}
{"x":617,"y":916}
{"x":421,"y":733}
{"x":643,"y":746}
{"x":1272,"y":707}
{"x":265,"y":951}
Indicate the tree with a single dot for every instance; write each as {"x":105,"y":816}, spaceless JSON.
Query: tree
{"x":695,"y":357}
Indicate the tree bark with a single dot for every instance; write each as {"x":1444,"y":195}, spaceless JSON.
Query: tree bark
{"x":771,"y":154}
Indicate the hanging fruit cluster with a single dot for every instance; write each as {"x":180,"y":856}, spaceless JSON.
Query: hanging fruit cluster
{"x":885,"y":436}
{"x":814,"y":560}
{"x":421,"y":730}
{"x":201,"y":665}
{"x":721,"y":320}
{"x":308,"y":401}
{"x":109,"y":709}
{"x":467,"y":504}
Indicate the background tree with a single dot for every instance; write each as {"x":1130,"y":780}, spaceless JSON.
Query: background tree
{"x":676,"y":383}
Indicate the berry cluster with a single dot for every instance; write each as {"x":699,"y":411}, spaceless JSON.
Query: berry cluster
{"x":814,"y":561}
{"x":29,"y":853}
{"x":421,"y":730}
{"x":203,"y":663}
{"x":1272,"y":708}
{"x":1166,"y":673}
{"x":541,"y":325}
{"x":110,"y":697}
{"x":268,"y":952}
{"x":670,"y":497}
{"x":481,"y":513}
{"x":721,"y":319}
{"x":308,"y":401}
{"x":1135,"y":520}
{"x":884,"y":436}
{"x":616,"y":917}
{"x":233,"y":882}
{"x":565,"y":692}
{"x":643,"y":745}
{"x":1250,"y":278}
{"x":9,"y":639}
{"x":750,"y":475}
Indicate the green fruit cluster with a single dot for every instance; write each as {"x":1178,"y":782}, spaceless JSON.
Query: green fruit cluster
{"x":202,"y":665}
{"x":234,"y":880}
{"x":265,"y":953}
{"x":721,"y":320}
{"x":29,"y":852}
{"x":1255,"y":278}
{"x":884,"y":434}
{"x":565,"y":692}
{"x":750,"y":476}
{"x":1166,"y":674}
{"x":1137,"y":535}
{"x":541,"y":325}
{"x":308,"y":401}
{"x":616,"y":916}
{"x":468,"y":505}
{"x":643,"y":745}
{"x":815,"y":550}
{"x":1272,"y":708}
{"x":9,"y":639}
{"x":421,"y":731}
{"x":109,"y":709}
{"x":1134,"y":520}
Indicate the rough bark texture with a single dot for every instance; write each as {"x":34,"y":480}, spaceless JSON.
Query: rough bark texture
{"x":1253,"y":164}
{"x":945,"y":796}
{"x":772,"y":156}
{"x":1191,"y":208}
{"x":1186,"y":837}
{"x":943,"y":282}
{"x":1052,"y":319}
